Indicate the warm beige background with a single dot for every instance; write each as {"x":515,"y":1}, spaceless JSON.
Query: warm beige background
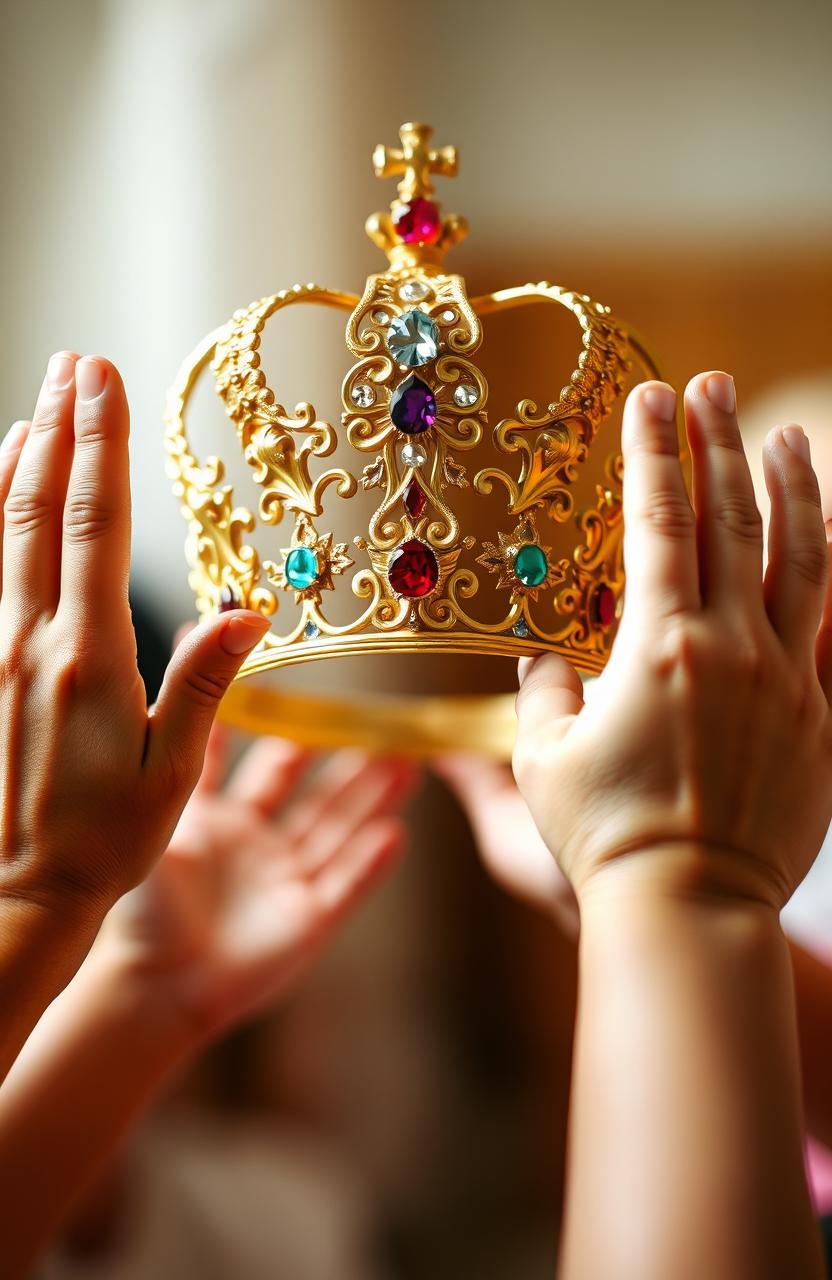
{"x":166,"y":161}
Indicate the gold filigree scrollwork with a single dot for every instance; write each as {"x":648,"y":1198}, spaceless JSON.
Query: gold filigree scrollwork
{"x":554,"y":443}
{"x":268,"y":434}
{"x":218,"y":555}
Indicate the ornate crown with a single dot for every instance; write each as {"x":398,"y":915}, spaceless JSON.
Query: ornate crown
{"x":535,"y":570}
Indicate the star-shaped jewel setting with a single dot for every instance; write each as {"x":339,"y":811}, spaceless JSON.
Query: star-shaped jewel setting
{"x":330,"y":559}
{"x":502,"y":558}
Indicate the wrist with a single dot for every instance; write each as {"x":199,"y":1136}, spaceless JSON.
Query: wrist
{"x":666,"y":876}
{"x":145,"y":1003}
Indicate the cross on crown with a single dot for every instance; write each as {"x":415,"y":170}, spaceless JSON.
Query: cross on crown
{"x":416,"y":161}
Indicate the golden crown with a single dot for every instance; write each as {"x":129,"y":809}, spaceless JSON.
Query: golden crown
{"x":548,"y":575}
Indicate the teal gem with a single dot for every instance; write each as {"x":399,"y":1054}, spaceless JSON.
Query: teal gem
{"x":301,"y":568}
{"x":413,"y":339}
{"x":530,"y":565}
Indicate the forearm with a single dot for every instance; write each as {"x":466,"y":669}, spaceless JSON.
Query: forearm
{"x":88,"y":1071}
{"x":686,"y":1117}
{"x":41,"y":948}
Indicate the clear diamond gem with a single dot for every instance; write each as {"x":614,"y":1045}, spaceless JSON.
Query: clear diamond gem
{"x":362,"y":395}
{"x":381,"y":317}
{"x":465,"y":395}
{"x":414,"y":291}
{"x":521,"y":628}
{"x":310,"y":631}
{"x":413,"y":456}
{"x":447,"y":317}
{"x":413,"y":339}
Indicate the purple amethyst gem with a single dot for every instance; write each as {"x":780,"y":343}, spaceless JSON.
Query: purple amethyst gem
{"x":413,"y":406}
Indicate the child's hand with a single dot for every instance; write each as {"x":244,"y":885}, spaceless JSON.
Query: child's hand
{"x":257,"y":877}
{"x":510,"y":845}
{"x":704,"y":758}
{"x":92,"y":781}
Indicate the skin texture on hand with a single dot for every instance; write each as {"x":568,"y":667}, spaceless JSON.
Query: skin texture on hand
{"x":259,"y":875}
{"x":711,"y":724}
{"x":92,"y":781}
{"x":684,"y":803}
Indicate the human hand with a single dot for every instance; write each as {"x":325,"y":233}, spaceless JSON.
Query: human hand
{"x":510,"y":845}
{"x":256,"y":879}
{"x":704,"y":759}
{"x":93,"y":781}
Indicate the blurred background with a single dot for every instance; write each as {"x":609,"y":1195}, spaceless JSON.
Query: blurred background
{"x":164,"y":163}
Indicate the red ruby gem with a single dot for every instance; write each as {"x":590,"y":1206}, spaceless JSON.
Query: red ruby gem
{"x":413,"y":570}
{"x":603,"y":606}
{"x":414,"y":499}
{"x":419,"y":222}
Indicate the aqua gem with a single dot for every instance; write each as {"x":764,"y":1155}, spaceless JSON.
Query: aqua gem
{"x":530,"y":565}
{"x":413,"y":339}
{"x":301,"y":568}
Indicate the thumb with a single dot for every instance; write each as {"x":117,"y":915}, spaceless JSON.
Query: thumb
{"x":203,"y":665}
{"x":550,"y":692}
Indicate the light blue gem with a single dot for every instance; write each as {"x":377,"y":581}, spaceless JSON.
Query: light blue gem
{"x":310,"y":631}
{"x":413,"y":339}
{"x":521,"y":628}
{"x":301,"y":568}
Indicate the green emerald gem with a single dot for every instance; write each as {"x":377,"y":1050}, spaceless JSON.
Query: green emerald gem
{"x":530,"y":565}
{"x":301,"y":568}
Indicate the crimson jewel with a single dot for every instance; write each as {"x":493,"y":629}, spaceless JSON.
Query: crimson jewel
{"x":414,"y":499}
{"x":418,"y":222}
{"x":413,"y":570}
{"x":413,"y":406}
{"x":603,"y":605}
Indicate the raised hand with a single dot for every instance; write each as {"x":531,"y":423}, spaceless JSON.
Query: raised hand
{"x":92,"y":780}
{"x":685,"y":801}
{"x":258,"y":875}
{"x":710,"y":735}
{"x":510,"y":845}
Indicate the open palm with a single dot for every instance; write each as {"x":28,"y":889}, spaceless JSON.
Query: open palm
{"x":258,"y":874}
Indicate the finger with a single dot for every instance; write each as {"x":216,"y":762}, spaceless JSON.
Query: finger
{"x":96,"y":524}
{"x":659,"y":531}
{"x":478,"y":784}
{"x":550,"y":694}
{"x":796,"y":574}
{"x":358,"y":866}
{"x":198,"y":675}
{"x":13,"y":442}
{"x":729,"y":528}
{"x":266,"y":774}
{"x":215,"y":764}
{"x":35,"y":502}
{"x":352,"y":792}
{"x":823,"y":645}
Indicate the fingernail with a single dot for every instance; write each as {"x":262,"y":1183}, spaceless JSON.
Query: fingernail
{"x":720,"y":390}
{"x":90,"y":378}
{"x":242,"y":633}
{"x":661,"y":402}
{"x":14,"y":436}
{"x":59,"y":371}
{"x":795,"y":439}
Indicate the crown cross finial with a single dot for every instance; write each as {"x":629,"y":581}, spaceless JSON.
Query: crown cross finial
{"x":416,"y":161}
